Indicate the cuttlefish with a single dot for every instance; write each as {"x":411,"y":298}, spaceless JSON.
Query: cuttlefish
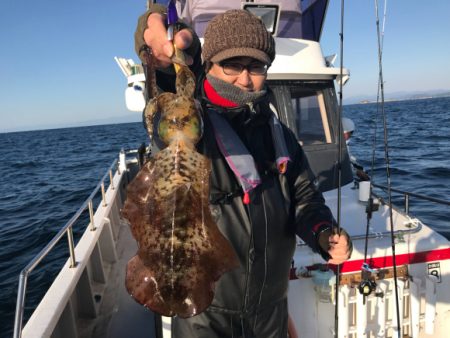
{"x":181,"y":251}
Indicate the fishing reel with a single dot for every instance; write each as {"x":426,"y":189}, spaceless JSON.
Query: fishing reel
{"x":367,"y":284}
{"x":366,"y":287}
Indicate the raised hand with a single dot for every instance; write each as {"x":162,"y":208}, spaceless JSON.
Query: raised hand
{"x":155,"y":37}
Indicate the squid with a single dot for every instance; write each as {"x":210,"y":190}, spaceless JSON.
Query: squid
{"x":181,"y":251}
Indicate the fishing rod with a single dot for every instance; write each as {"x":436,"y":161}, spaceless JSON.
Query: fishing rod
{"x":386,"y":153}
{"x":374,"y":140}
{"x":338,"y":226}
{"x":368,"y":284}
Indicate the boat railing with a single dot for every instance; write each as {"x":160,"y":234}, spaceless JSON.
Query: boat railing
{"x":66,"y":229}
{"x":407,"y":195}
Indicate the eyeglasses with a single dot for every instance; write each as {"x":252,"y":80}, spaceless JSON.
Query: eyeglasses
{"x":234,"y":68}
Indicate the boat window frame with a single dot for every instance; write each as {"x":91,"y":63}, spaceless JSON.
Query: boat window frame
{"x":326,"y":98}
{"x":322,"y":157}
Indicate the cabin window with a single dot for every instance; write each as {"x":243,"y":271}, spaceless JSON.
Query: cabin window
{"x":310,"y":116}
{"x":304,"y":108}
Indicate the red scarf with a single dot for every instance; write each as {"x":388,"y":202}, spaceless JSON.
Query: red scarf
{"x":215,"y":98}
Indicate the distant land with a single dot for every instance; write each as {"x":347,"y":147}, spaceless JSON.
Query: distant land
{"x":399,"y":96}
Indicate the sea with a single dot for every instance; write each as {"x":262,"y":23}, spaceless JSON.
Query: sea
{"x":46,"y":175}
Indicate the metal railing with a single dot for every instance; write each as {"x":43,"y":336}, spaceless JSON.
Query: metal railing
{"x":407,"y":194}
{"x":67,"y":228}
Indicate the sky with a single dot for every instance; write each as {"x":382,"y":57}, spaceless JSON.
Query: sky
{"x":57,"y":63}
{"x":416,"y":47}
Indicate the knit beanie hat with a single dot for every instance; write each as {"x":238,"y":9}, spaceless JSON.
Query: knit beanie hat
{"x":237,"y":33}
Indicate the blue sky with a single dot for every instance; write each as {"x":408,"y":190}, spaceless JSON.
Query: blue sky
{"x":416,"y":45}
{"x":57,"y":66}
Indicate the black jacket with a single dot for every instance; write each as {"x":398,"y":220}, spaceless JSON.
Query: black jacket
{"x":263,"y":232}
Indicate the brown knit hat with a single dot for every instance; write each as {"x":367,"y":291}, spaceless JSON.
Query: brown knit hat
{"x":237,"y":32}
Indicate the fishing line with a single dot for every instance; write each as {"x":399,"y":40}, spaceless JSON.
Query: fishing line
{"x":375,"y":130}
{"x":338,"y":226}
{"x":386,"y":153}
{"x":374,"y":140}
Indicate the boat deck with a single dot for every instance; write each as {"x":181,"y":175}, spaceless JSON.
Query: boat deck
{"x":121,"y":315}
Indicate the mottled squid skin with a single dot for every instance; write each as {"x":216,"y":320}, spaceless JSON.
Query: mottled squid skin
{"x":181,"y":252}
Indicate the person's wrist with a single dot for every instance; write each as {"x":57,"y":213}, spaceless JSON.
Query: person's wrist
{"x":157,"y":8}
{"x":323,"y":239}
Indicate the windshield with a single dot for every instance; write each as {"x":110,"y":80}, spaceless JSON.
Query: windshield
{"x":307,"y":109}
{"x":310,"y":116}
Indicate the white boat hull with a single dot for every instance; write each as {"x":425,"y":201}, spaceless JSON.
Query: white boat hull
{"x":423,"y":269}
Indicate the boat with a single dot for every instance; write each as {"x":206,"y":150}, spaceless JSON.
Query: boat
{"x":395,"y":284}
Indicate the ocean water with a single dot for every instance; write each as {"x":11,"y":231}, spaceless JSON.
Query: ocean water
{"x":418,"y":143}
{"x":46,"y":175}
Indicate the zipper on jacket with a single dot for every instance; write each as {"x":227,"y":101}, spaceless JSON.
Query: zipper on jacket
{"x":265,"y":260}
{"x":249,"y":260}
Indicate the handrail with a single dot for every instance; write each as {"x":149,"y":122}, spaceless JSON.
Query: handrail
{"x":18,"y":321}
{"x":407,"y":194}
